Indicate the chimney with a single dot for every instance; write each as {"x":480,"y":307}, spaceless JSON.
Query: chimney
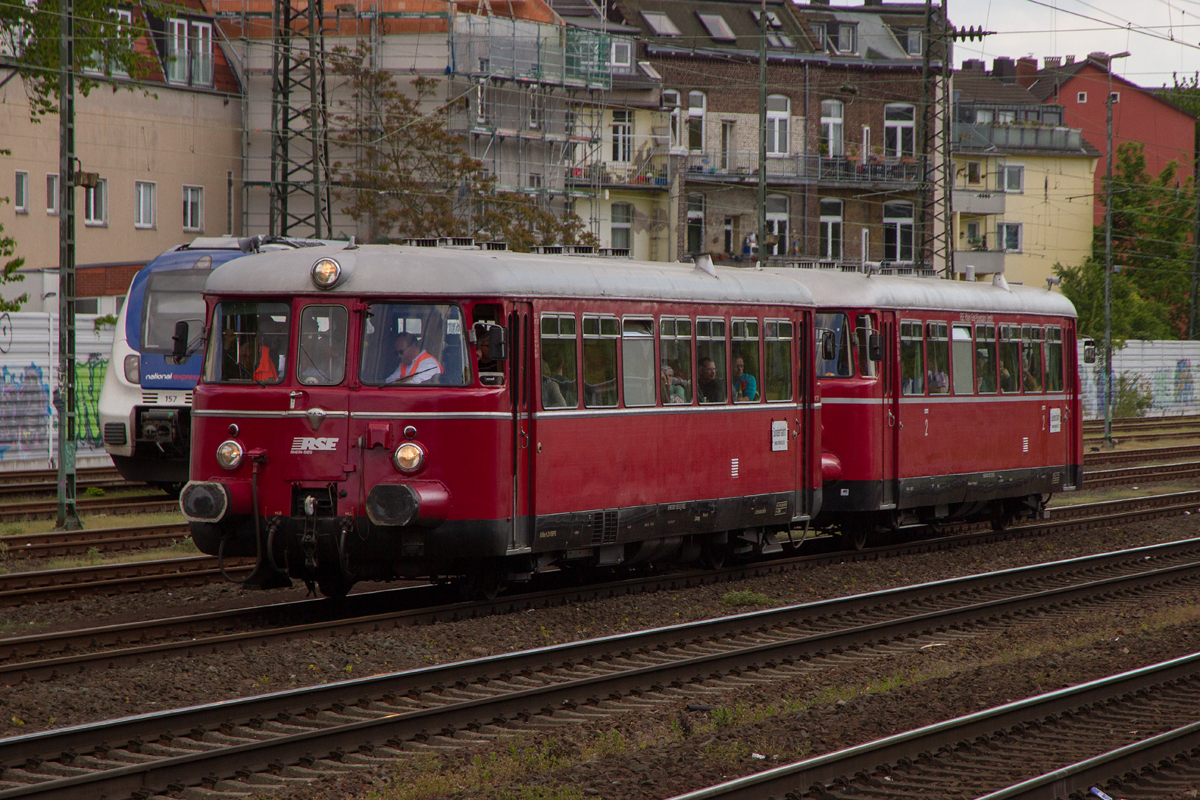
{"x":818,"y":2}
{"x":869,"y":3}
{"x":1099,"y":57}
{"x":1004,"y":69}
{"x":1070,"y":60}
{"x":973,"y":65}
{"x":1052,"y":62}
{"x":1026,"y":71}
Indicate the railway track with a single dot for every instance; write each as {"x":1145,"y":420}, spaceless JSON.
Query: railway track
{"x":19,"y":588}
{"x":51,"y":475}
{"x":1136,"y":456}
{"x":1125,"y":476}
{"x":44,"y":656}
{"x":1143,"y":423}
{"x":48,"y":509}
{"x":240,"y":746}
{"x":1049,"y":742}
{"x":100,"y":540}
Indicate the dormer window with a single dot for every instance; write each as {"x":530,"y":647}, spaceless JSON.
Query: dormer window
{"x":847,"y":41}
{"x":913,"y":45}
{"x":717,"y":27}
{"x":660,"y":24}
{"x":622,"y":53}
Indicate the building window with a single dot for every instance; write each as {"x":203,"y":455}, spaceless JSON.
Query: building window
{"x":660,"y":24}
{"x":695,"y":121}
{"x":727,"y":140}
{"x":830,"y":242}
{"x":898,"y":232}
{"x":622,"y":136}
{"x":1014,"y":178}
{"x":143,"y":205}
{"x":974,"y":172}
{"x":695,"y":223}
{"x":899,"y":130}
{"x":21,"y":193}
{"x":847,"y":41}
{"x":1081,"y":97}
{"x":52,"y":193}
{"x":1009,"y":234}
{"x":535,"y":180}
{"x":670,"y":102}
{"x":775,"y":35}
{"x":95,"y":205}
{"x":193,"y":208}
{"x":913,"y":45}
{"x":96,"y":67}
{"x":189,"y":52}
{"x":1114,"y":97}
{"x":717,"y":27}
{"x":983,"y":116}
{"x":622,"y":226}
{"x":778,"y":112}
{"x":777,"y":226}
{"x":820,"y":33}
{"x":622,"y":53}
{"x":831,"y":127}
{"x":537,"y":112}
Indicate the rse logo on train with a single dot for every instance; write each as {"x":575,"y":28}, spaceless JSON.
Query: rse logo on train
{"x":309,"y":444}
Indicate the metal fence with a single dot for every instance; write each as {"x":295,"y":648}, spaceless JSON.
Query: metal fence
{"x":1162,"y":371}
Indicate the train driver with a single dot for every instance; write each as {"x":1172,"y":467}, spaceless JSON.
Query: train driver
{"x":416,"y":366}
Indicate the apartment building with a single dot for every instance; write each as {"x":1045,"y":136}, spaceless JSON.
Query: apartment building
{"x":167,"y":155}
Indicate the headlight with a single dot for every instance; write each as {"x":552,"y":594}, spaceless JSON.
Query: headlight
{"x":325,"y":273}
{"x":229,"y":454}
{"x":409,"y":457}
{"x":132,"y":369}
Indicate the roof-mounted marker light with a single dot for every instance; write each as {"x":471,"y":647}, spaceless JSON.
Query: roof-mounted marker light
{"x":326,"y":273}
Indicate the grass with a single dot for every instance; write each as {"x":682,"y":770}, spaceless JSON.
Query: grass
{"x":93,"y":558}
{"x":1119,"y":493}
{"x":745,"y":597}
{"x":95,"y":521}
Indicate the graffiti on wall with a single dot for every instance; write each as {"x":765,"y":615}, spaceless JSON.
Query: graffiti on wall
{"x":24,"y":413}
{"x":89,"y":377}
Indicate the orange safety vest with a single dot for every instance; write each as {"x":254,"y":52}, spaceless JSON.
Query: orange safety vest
{"x":422,"y":364}
{"x":265,"y":371}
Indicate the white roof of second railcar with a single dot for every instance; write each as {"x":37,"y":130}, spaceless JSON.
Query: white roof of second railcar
{"x":451,"y":272}
{"x":833,"y":289}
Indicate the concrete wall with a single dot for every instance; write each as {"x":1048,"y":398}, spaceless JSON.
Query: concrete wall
{"x":1165,"y":369}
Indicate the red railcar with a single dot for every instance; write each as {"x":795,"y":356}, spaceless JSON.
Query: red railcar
{"x":970,"y":408}
{"x":380,"y":412}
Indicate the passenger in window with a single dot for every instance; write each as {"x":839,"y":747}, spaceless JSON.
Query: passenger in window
{"x":672,"y":387}
{"x":416,"y":366}
{"x":707,"y":387}
{"x":483,"y":350}
{"x":1032,"y":382}
{"x":987,"y":374}
{"x":745,"y":387}
{"x":939,"y":381}
{"x":552,"y":394}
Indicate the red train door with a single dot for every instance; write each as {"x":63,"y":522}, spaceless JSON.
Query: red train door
{"x":804,"y":429}
{"x":890,"y":367}
{"x":520,"y":337}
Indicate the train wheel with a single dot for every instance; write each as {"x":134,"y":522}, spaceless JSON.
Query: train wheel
{"x":172,"y":489}
{"x":335,"y":588}
{"x":714,"y":555}
{"x":857,"y":537}
{"x":481,"y":585}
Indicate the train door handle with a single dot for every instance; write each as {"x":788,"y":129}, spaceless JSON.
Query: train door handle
{"x":292,"y":396}
{"x":524,"y":440}
{"x":891,"y":419}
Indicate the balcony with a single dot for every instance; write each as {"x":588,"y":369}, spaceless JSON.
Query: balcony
{"x":974,"y":201}
{"x":742,"y":166}
{"x":650,"y":172}
{"x":985,"y":262}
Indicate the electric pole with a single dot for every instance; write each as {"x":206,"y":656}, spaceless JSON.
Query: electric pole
{"x":68,"y":516}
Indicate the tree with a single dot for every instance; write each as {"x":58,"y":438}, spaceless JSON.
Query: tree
{"x":104,"y":44}
{"x":411,"y":177}
{"x":1133,"y":316}
{"x":1151,"y":234}
{"x":8,"y":269}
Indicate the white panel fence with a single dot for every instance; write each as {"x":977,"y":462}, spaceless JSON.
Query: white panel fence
{"x":28,"y":387}
{"x":1164,"y":369}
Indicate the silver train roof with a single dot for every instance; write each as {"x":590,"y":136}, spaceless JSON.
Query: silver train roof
{"x":450,"y":272}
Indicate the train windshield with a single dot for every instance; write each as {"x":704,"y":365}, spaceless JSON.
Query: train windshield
{"x":835,"y":329}
{"x":171,"y":297}
{"x":414,"y":344}
{"x":249,"y":343}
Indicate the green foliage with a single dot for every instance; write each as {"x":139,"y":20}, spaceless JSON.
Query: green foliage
{"x":94,"y":491}
{"x":1185,"y":93}
{"x":1133,"y":316}
{"x":106,"y":320}
{"x":745,"y":597}
{"x":411,"y":176}
{"x":103,"y":44}
{"x":1131,"y":399}
{"x":1151,"y":234}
